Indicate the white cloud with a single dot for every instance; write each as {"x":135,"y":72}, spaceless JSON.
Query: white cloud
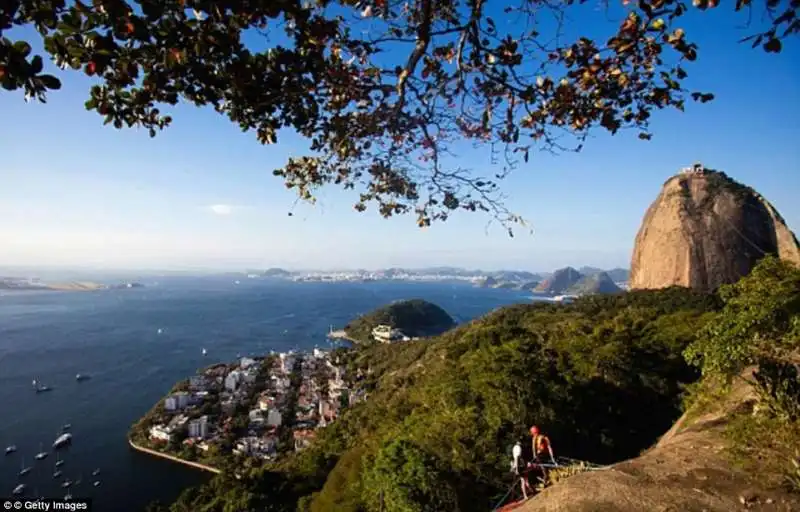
{"x":221,"y":209}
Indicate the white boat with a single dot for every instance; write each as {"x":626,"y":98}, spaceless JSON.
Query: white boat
{"x":82,"y":376}
{"x":11,"y":449}
{"x":24,"y":470}
{"x":17,"y":491}
{"x":66,"y":426}
{"x":57,"y":473}
{"x":160,"y":331}
{"x":66,"y":483}
{"x":97,"y":483}
{"x":59,"y":462}
{"x":205,"y":352}
{"x":42,"y":454}
{"x":96,"y":472}
{"x":62,"y":440}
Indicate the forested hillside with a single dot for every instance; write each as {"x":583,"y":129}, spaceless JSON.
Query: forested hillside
{"x":603,"y":376}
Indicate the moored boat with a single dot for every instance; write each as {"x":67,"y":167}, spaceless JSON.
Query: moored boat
{"x":62,"y":440}
{"x":11,"y":449}
{"x":42,"y":454}
{"x":17,"y":491}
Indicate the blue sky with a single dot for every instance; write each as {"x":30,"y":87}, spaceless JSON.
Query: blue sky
{"x":76,"y":193}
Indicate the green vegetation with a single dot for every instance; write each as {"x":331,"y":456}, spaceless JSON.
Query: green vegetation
{"x":595,"y":283}
{"x":442,"y":413}
{"x":414,"y":317}
{"x":758,"y":329}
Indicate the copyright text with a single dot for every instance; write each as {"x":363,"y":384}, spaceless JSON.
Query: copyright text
{"x":46,"y":505}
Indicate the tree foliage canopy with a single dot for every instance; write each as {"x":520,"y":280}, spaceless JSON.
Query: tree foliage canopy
{"x":760,"y":321}
{"x":415,"y":317}
{"x":382,"y":88}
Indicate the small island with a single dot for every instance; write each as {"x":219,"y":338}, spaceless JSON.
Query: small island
{"x":401,"y":320}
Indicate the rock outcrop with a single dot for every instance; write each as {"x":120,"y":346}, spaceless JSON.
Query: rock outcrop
{"x":688,"y":469}
{"x":561,"y":280}
{"x":705,"y":230}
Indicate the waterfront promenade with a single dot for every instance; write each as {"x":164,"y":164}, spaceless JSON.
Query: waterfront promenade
{"x":173,"y":458}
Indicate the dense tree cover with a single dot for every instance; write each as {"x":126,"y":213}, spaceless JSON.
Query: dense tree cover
{"x":414,"y":317}
{"x":602,"y":376}
{"x":381,"y":88}
{"x":759,"y":327}
{"x":760,"y":320}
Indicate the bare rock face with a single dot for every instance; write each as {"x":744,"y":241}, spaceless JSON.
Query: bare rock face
{"x":705,"y":230}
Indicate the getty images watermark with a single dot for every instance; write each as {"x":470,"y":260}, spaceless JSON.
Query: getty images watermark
{"x":46,"y":505}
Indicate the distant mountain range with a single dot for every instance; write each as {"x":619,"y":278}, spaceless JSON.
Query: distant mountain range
{"x":592,"y":279}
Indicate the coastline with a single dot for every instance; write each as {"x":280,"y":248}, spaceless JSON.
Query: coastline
{"x":342,"y":335}
{"x":173,"y":458}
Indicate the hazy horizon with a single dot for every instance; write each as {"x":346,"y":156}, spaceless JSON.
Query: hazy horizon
{"x":28,"y":271}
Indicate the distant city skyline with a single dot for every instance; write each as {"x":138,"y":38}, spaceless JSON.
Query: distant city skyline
{"x":201,"y":194}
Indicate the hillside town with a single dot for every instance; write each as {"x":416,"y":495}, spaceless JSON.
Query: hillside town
{"x":256,"y":407}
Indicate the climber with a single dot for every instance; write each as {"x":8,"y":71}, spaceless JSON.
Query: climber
{"x":541,"y":445}
{"x":519,"y":467}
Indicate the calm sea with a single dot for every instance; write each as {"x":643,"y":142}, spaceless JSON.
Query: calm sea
{"x":114,"y":336}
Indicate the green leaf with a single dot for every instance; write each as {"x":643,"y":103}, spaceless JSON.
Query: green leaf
{"x":50,"y":82}
{"x":36,"y":65}
{"x":773,"y":46}
{"x":23,"y":48}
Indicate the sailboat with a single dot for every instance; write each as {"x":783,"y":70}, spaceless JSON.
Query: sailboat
{"x":25,"y":470}
{"x":42,"y":454}
{"x":59,"y":462}
{"x":96,"y":472}
{"x":38,"y":387}
{"x":57,"y":473}
{"x":205,"y":352}
{"x":17,"y":491}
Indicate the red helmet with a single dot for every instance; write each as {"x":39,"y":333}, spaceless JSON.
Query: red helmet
{"x":534,"y":430}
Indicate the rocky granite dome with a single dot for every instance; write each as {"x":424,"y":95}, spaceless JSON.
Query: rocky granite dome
{"x":704,"y":230}
{"x":561,"y":280}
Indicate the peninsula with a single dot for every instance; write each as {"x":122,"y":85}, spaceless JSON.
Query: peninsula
{"x":255,"y":408}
